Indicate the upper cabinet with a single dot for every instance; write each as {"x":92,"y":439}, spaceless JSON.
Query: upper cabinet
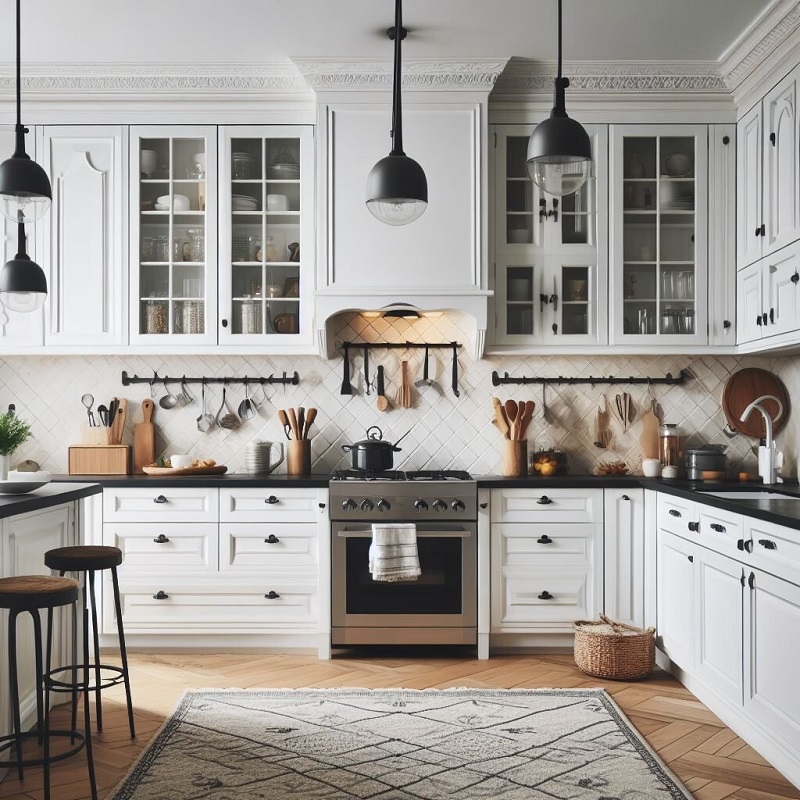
{"x":550,"y":253}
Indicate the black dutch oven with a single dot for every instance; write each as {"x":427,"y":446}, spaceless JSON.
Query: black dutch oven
{"x":373,"y":454}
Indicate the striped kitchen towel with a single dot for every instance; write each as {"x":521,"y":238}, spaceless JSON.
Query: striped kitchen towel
{"x":393,"y":552}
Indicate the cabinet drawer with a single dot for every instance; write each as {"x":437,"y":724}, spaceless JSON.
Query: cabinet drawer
{"x":720,"y":530}
{"x":249,"y":546}
{"x":775,"y":549}
{"x":188,"y":546}
{"x":270,"y":505}
{"x":569,"y":597}
{"x":210,"y":609}
{"x":675,"y":514}
{"x":160,"y":504}
{"x":565,"y":544}
{"x":547,"y":505}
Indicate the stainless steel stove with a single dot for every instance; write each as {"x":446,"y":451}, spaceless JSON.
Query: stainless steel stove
{"x":440,"y":607}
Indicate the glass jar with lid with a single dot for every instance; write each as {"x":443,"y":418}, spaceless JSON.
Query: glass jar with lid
{"x":669,"y":445}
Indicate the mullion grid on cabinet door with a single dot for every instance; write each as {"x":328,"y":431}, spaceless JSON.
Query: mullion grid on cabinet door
{"x":519,"y":194}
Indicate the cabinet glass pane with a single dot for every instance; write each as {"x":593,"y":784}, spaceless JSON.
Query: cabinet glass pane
{"x":519,"y":192}
{"x":265,"y":235}
{"x":575,"y":300}
{"x":519,"y":301}
{"x":172,"y":233}
{"x":578,"y":215}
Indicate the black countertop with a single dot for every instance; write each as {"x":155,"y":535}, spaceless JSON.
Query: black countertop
{"x":233,"y":479}
{"x":51,"y":494}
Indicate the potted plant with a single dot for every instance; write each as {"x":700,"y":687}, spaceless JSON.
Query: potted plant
{"x":13,"y":432}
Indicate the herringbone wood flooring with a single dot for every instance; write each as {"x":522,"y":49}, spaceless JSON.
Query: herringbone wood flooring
{"x":709,"y":758}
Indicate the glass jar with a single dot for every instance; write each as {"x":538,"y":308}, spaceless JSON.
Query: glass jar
{"x":197,"y":245}
{"x":669,"y":445}
{"x":271,"y":249}
{"x":155,"y":317}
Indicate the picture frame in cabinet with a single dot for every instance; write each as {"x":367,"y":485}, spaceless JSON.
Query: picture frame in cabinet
{"x":291,"y":287}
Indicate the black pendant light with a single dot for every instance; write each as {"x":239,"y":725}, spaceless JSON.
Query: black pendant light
{"x":25,"y":191}
{"x":559,"y":150}
{"x":23,"y":286}
{"x":397,"y":189}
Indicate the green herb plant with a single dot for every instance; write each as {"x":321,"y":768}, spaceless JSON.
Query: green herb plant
{"x":13,"y":432}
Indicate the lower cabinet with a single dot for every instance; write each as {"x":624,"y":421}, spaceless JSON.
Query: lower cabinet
{"x":623,"y":547}
{"x":677,"y":591}
{"x":218,"y":561}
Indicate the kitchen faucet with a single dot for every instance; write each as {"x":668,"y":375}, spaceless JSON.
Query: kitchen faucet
{"x":766,"y":452}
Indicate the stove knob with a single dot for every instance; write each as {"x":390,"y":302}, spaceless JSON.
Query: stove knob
{"x":420,"y":504}
{"x":367,"y":505}
{"x":383,"y":505}
{"x":457,"y":505}
{"x":348,"y":505}
{"x":439,"y":505}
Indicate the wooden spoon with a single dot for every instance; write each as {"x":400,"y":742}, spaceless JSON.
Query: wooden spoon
{"x":525,"y":414}
{"x":512,"y":409}
{"x":311,"y":415}
{"x":500,"y":420}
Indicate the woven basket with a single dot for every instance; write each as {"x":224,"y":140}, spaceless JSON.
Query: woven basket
{"x":609,"y":649}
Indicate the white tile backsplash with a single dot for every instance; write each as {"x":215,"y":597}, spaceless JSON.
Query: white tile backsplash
{"x":445,"y":431}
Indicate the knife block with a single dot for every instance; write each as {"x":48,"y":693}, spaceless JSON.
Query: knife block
{"x":114,"y":459}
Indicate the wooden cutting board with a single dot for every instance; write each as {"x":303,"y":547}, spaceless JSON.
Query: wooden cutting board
{"x":648,"y":439}
{"x":747,"y":385}
{"x":219,"y":469}
{"x":144,"y":439}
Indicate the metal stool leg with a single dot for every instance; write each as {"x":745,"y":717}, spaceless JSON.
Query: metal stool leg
{"x":14,"y":685}
{"x":43,"y":692}
{"x":96,"y":641}
{"x":74,"y":663}
{"x":87,"y":721}
{"x":123,"y":653}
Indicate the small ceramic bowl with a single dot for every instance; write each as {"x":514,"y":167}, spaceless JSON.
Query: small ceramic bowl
{"x":180,"y":461}
{"x":180,"y":202}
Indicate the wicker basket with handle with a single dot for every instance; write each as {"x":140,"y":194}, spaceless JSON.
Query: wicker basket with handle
{"x":610,"y":649}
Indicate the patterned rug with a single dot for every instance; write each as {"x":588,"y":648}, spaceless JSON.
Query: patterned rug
{"x":398,"y":744}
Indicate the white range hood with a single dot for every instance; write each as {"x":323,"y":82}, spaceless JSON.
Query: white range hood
{"x":440,"y":261}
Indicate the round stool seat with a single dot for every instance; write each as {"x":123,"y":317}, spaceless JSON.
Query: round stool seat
{"x":29,"y":592}
{"x":83,"y":558}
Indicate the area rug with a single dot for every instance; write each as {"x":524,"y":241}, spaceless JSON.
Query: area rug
{"x":398,"y":744}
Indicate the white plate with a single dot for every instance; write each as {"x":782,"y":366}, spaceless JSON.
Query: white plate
{"x":20,"y":487}
{"x":677,"y":165}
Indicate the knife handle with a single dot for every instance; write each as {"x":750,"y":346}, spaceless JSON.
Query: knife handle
{"x":380,"y":382}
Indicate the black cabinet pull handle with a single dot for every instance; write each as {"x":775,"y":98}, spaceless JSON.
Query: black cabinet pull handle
{"x":715,"y":526}
{"x":758,"y":320}
{"x":545,"y":595}
{"x":322,"y":505}
{"x":544,"y":500}
{"x":763,"y":229}
{"x":764,"y":317}
{"x":224,"y":323}
{"x":694,"y":526}
{"x":772,"y":138}
{"x":772,"y":315}
{"x":748,"y":545}
{"x":726,"y":323}
{"x":160,"y":499}
{"x":768,"y":544}
{"x":484,"y":505}
{"x":544,"y":539}
{"x":673,"y":512}
{"x":271,"y":500}
{"x":625,"y":497}
{"x":161,"y":539}
{"x":160,"y":595}
{"x":273,"y":595}
{"x":751,"y":581}
{"x":726,"y":140}
{"x":758,"y":231}
{"x":691,"y":558}
{"x":272,"y":539}
{"x":740,"y":544}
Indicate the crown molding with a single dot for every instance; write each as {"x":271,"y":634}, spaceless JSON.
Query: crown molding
{"x":418,"y":75}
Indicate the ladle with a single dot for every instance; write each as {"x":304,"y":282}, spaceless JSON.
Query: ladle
{"x":205,"y":420}
{"x":247,"y":409}
{"x":168,"y":400}
{"x":229,"y":420}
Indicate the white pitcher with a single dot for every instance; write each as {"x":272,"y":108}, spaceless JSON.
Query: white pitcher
{"x":259,"y":457}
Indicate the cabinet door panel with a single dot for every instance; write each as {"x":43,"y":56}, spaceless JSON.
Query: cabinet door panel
{"x":676,"y":599}
{"x":748,"y":196}
{"x":624,"y":555}
{"x":749,"y":304}
{"x":85,"y":236}
{"x":520,"y":300}
{"x":781,"y":281}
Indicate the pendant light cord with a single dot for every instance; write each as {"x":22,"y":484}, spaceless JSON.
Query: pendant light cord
{"x":397,"y":108}
{"x":561,"y":83}
{"x":20,"y":130}
{"x":559,"y":40}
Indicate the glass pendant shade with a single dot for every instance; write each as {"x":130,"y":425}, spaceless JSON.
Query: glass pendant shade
{"x":25,"y":191}
{"x":23,"y":285}
{"x":397,"y":190}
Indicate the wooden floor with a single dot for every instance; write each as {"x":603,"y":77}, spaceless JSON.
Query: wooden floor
{"x":712,"y":761}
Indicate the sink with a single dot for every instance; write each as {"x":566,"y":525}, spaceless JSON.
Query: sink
{"x":757,"y":495}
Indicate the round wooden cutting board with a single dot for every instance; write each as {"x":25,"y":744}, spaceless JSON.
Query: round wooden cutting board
{"x":747,"y":385}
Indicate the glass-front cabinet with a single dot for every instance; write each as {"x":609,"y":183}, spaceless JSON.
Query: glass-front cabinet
{"x":266,"y":234}
{"x":173,"y":234}
{"x":550,"y":252}
{"x":659,"y":242}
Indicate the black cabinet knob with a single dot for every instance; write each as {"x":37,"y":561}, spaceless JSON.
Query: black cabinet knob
{"x":224,"y":323}
{"x":272,"y":500}
{"x":691,"y":559}
{"x":544,"y":539}
{"x":726,"y":324}
{"x":625,"y":497}
{"x":673,"y":512}
{"x":715,"y":526}
{"x":273,"y":595}
{"x":740,"y":544}
{"x":160,"y":499}
{"x":764,"y":318}
{"x":160,"y":595}
{"x":768,"y":544}
{"x":272,"y":539}
{"x":545,"y":595}
{"x":693,"y":526}
{"x":795,"y":278}
{"x":748,"y":545}
{"x":544,"y":500}
{"x":758,"y":320}
{"x":484,"y":505}
{"x":161,"y":539}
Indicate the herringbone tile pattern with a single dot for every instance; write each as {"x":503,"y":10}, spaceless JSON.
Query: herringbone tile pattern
{"x":710,"y":759}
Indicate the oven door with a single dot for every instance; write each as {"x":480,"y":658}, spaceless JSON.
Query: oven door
{"x":440,"y":607}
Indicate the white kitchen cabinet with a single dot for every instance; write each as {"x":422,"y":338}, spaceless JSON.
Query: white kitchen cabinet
{"x":550,"y":252}
{"x":749,"y":304}
{"x":772,"y":618}
{"x":623,"y":544}
{"x":677,"y":595}
{"x":173,"y":245}
{"x":658,"y":252}
{"x":719,"y":623}
{"x":19,"y":331}
{"x":85,"y":235}
{"x":266,"y":240}
{"x":749,"y":240}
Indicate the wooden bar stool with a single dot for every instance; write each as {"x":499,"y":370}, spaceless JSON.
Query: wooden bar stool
{"x":34,"y":593}
{"x":88,"y":559}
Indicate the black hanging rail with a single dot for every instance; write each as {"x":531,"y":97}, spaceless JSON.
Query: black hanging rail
{"x":399,"y":345}
{"x":668,"y":380}
{"x":286,"y":379}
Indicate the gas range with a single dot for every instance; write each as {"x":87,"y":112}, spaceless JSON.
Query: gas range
{"x":396,"y":496}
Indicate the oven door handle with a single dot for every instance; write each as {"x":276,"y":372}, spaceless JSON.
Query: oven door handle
{"x":423,"y":534}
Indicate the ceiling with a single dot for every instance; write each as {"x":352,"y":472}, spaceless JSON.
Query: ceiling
{"x":254,"y":31}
